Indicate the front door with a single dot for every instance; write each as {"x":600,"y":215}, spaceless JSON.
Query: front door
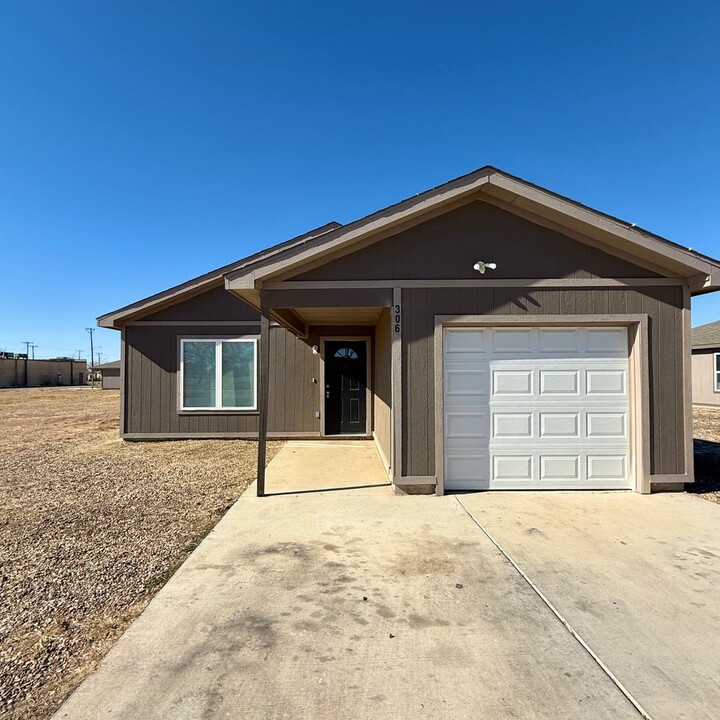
{"x":345,"y":387}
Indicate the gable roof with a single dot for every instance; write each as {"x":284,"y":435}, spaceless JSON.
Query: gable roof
{"x":492,"y":185}
{"x":199,"y":284}
{"x":488,"y":183}
{"x":706,"y":336}
{"x":107,"y":365}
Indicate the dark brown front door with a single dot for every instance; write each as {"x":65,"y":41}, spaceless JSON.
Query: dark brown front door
{"x":345,"y":387}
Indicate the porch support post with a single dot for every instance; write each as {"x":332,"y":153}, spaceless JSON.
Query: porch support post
{"x":396,"y":376}
{"x":263,"y":399}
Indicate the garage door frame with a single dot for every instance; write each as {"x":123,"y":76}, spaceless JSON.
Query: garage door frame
{"x":638,"y":378}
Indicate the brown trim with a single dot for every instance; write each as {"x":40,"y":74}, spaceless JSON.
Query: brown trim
{"x":193,"y":323}
{"x":123,"y":384}
{"x":569,"y":283}
{"x":180,"y":410}
{"x":670,"y":479}
{"x":416,"y":480}
{"x":396,"y":430}
{"x":242,"y":436}
{"x":263,"y":401}
{"x":637,"y":360}
{"x":383,"y":459}
{"x":687,"y":389}
{"x":218,"y":412}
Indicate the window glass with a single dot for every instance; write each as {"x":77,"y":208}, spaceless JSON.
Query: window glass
{"x":346,"y":352}
{"x":238,"y":374}
{"x":198,"y":374}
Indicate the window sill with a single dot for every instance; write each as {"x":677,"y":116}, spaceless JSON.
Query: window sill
{"x":218,"y":412}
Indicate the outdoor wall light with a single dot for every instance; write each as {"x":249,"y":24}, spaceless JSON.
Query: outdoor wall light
{"x":481,"y":266}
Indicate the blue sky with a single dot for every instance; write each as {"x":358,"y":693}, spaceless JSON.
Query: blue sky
{"x":142,"y":144}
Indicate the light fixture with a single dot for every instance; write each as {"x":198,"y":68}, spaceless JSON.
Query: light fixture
{"x":481,"y":266}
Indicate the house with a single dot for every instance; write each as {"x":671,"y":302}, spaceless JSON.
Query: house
{"x":487,"y":333}
{"x":109,"y":373}
{"x":706,"y":364}
{"x":21,"y":371}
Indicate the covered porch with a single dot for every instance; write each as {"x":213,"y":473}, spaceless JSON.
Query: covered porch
{"x":349,"y":333}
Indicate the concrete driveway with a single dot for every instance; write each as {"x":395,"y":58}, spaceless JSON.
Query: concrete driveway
{"x":637,"y":577}
{"x":358,"y":603}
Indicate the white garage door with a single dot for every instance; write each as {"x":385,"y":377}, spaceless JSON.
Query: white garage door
{"x":534,"y":408}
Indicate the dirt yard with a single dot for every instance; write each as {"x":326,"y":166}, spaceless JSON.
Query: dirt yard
{"x":90,"y":528}
{"x":706,"y":430}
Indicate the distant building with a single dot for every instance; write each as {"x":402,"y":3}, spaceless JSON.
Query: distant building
{"x":706,"y":364}
{"x":19,"y":371}
{"x":109,"y":373}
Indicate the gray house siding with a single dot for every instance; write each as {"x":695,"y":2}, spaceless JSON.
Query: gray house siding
{"x":447,"y":246}
{"x":703,"y":377}
{"x":152,"y":366}
{"x":663,"y":306}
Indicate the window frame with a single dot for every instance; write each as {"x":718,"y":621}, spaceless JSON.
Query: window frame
{"x":716,"y":373}
{"x":218,"y":407}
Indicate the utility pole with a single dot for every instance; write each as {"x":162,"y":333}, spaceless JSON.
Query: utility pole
{"x":33,"y":346}
{"x":27,"y":344}
{"x":92,"y":357}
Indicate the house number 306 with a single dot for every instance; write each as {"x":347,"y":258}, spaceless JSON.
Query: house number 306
{"x":397,"y":318}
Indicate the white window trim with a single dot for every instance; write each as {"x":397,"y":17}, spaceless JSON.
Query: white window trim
{"x":716,"y":372}
{"x":218,"y":407}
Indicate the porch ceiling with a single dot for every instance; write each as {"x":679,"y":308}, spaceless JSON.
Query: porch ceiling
{"x":339,"y":315}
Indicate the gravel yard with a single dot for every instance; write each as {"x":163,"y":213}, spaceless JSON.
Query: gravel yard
{"x":90,"y":528}
{"x":706,"y":430}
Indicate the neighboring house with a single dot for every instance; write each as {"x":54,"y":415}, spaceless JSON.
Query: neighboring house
{"x":23,"y":372}
{"x":706,"y":364}
{"x":109,"y":373}
{"x":564,"y":365}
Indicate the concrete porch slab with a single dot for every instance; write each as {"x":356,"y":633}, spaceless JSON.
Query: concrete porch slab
{"x":324,"y":465}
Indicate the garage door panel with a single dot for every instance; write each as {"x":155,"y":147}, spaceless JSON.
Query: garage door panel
{"x":468,"y":470}
{"x":560,"y":467}
{"x":605,"y":382}
{"x":466,"y":385}
{"x":511,"y":340}
{"x":539,"y":408}
{"x":559,"y":424}
{"x":606,"y":424}
{"x":512,"y":382}
{"x":512,"y":425}
{"x":467,"y":425}
{"x":552,"y":341}
{"x":512,"y":467}
{"x":606,"y":467}
{"x":559,"y":382}
{"x":606,"y":341}
{"x":461,"y":343}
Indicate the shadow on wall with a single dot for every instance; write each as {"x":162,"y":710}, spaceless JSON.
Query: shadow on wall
{"x":707,"y":467}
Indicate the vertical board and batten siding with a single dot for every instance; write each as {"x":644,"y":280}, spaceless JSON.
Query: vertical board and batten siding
{"x":663,"y":306}
{"x":447,"y":246}
{"x":152,"y":357}
{"x":152,"y":366}
{"x":703,"y":377}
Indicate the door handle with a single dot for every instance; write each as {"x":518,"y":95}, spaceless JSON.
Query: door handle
{"x":327,"y":392}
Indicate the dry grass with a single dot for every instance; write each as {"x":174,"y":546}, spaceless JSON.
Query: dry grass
{"x":706,"y":431}
{"x":90,"y":528}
